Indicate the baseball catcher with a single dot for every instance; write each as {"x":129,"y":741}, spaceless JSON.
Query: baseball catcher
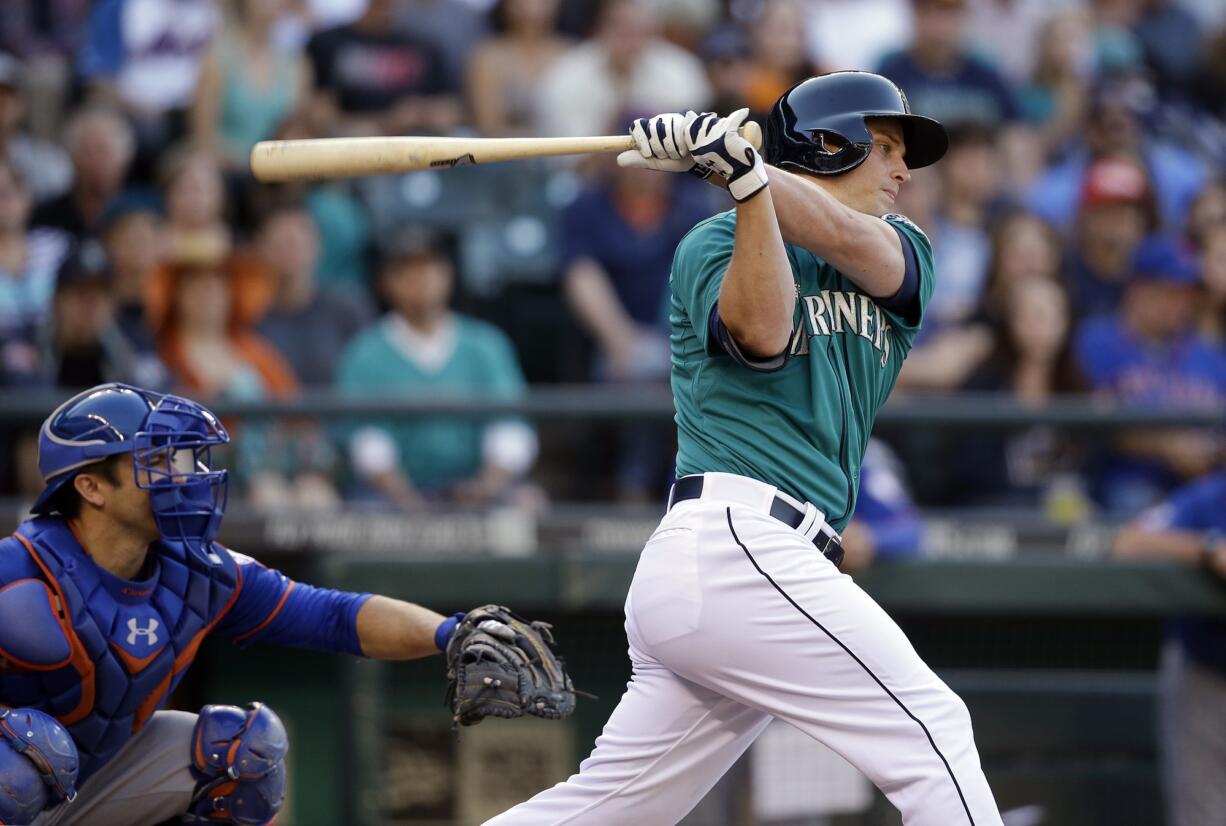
{"x":107,"y":593}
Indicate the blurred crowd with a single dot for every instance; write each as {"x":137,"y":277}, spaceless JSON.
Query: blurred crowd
{"x":1079,"y":223}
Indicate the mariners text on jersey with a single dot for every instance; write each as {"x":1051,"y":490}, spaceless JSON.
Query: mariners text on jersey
{"x":844,"y":312}
{"x":800,"y":423}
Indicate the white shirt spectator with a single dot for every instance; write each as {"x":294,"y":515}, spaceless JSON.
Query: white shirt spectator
{"x":1006,"y":32}
{"x":855,"y":34}
{"x":152,"y":50}
{"x":581,"y":96}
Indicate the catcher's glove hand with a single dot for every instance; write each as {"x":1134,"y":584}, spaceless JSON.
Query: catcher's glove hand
{"x":500,"y":665}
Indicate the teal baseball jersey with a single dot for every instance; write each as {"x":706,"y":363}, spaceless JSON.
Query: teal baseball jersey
{"x":804,"y":426}
{"x":434,"y":451}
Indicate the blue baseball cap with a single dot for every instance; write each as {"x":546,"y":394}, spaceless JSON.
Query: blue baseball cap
{"x":1161,"y":258}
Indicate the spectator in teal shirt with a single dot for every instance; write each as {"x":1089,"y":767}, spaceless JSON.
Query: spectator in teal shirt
{"x":423,"y":349}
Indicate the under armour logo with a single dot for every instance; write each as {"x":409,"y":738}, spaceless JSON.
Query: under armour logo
{"x":150,"y":633}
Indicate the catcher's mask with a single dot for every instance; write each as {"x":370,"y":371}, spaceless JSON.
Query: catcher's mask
{"x":820,"y":124}
{"x":170,"y":439}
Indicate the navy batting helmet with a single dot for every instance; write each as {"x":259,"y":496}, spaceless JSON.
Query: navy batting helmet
{"x":819,"y":125}
{"x":170,"y":439}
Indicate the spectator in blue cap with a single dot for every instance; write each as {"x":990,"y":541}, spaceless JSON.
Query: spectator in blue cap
{"x":1150,"y":353}
{"x":82,"y":345}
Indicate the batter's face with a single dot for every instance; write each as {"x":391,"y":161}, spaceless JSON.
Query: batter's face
{"x":872,"y":187}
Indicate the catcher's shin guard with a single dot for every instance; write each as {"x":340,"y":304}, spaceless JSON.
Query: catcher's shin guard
{"x":238,"y":758}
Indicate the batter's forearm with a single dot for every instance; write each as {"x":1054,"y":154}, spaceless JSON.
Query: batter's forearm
{"x":757,"y":298}
{"x":859,"y":246}
{"x":390,"y":629}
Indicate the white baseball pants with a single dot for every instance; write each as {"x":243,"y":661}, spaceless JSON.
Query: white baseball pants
{"x":734,"y":618}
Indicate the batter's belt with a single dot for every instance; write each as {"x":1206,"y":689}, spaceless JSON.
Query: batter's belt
{"x":805,"y":518}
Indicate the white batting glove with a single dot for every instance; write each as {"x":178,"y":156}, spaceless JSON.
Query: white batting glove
{"x":660,"y":143}
{"x":717,"y":147}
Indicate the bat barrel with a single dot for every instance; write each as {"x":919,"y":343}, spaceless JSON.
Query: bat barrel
{"x":327,"y":158}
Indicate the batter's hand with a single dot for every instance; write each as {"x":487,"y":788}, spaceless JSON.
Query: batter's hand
{"x":661,"y":143}
{"x":717,"y":147}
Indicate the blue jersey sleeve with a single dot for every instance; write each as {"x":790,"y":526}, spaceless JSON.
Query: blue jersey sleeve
{"x":1194,"y":507}
{"x":272,"y":608}
{"x":906,"y":309}
{"x":885,"y":506}
{"x":102,"y":53}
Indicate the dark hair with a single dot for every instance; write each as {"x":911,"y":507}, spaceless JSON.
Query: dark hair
{"x":1001,"y":230}
{"x":68,"y":503}
{"x":414,"y":245}
{"x":1066,"y":376}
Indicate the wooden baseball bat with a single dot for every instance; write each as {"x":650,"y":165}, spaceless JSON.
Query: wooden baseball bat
{"x":325,"y":158}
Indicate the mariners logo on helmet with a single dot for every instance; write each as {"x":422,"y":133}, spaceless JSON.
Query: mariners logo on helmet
{"x":820,"y":124}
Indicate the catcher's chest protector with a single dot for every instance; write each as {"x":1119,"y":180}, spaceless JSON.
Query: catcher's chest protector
{"x":112,"y":650}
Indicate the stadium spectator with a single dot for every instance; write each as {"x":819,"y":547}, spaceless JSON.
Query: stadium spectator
{"x":1189,"y":528}
{"x":203,"y":301}
{"x":43,"y":166}
{"x":1212,"y":311}
{"x":1207,"y":210}
{"x":944,"y":79}
{"x":421,"y":348}
{"x":1115,"y":213}
{"x":454,"y":27}
{"x":248,"y":86}
{"x":505,"y":69}
{"x":46,"y":37}
{"x":372,"y":79}
{"x":603,"y":83}
{"x":619,"y":237}
{"x":1151,"y":354}
{"x":882,"y":27}
{"x":973,"y":187}
{"x":1032,"y":361}
{"x":1112,"y":128}
{"x":1209,"y":85}
{"x":1024,"y":248}
{"x":28,"y":260}
{"x":132,"y":235}
{"x":886,"y":525}
{"x":940,"y":76}
{"x":310,"y":326}
{"x":101,"y":145}
{"x":725,"y":53}
{"x":145,"y":57}
{"x":83,"y":345}
{"x":1168,"y":34}
{"x":1010,"y":33}
{"x":1117,"y":49}
{"x":194,"y":193}
{"x":341,"y":217}
{"x":779,"y":56}
{"x":1055,"y":95}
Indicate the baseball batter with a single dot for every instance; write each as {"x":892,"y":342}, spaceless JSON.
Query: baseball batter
{"x":107,"y":593}
{"x":791,"y":316}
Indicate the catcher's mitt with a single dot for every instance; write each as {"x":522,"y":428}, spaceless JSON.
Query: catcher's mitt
{"x":501,"y":665}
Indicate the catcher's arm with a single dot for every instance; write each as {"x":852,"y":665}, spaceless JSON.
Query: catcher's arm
{"x":390,"y":629}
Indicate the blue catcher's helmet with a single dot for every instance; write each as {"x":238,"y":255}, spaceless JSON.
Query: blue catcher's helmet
{"x":170,"y":439}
